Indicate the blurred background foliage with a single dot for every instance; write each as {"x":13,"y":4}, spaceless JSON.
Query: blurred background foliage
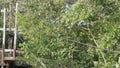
{"x":70,"y":33}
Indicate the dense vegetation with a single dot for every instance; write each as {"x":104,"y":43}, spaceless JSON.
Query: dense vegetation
{"x":70,"y":33}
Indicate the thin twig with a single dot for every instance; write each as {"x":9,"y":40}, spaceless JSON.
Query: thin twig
{"x":38,"y":59}
{"x":97,"y":45}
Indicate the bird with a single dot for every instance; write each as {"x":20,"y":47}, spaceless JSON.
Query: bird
{"x":81,"y":23}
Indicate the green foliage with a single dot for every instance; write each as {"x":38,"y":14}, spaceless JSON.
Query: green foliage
{"x":52,"y":34}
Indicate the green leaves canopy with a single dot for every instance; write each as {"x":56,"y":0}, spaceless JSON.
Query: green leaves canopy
{"x":52,"y":34}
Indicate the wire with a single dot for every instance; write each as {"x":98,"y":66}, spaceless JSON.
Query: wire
{"x":86,"y":44}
